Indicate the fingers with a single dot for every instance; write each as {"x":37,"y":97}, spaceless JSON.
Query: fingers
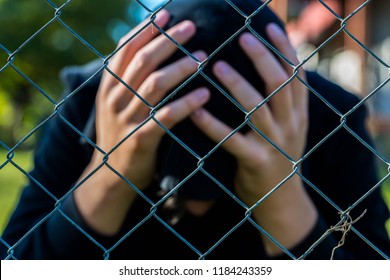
{"x":218,"y":130}
{"x":143,"y":53}
{"x":140,"y":57}
{"x":281,"y":110}
{"x":173,"y":113}
{"x":130,"y":44}
{"x":283,"y":45}
{"x":281,"y":42}
{"x":272,"y":73}
{"x":149,"y":57}
{"x":160,"y":82}
{"x":243,"y":92}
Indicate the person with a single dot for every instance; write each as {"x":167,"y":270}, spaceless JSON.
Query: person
{"x":169,"y":155}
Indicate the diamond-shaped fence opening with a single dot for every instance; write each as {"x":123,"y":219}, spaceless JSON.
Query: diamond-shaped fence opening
{"x":13,"y":176}
{"x":47,"y":223}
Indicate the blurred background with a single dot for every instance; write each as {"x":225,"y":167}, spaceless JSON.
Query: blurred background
{"x":37,"y":39}
{"x":347,"y":41}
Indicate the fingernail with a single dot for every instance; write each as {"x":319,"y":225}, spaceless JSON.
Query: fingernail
{"x":162,"y":14}
{"x":185,"y":26}
{"x":248,"y":39}
{"x":200,"y":55}
{"x":221,"y":68}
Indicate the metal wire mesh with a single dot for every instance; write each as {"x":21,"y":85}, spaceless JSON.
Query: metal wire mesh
{"x":346,"y":222}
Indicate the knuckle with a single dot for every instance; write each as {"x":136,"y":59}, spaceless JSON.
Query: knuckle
{"x":187,"y":65}
{"x":110,"y":101}
{"x":233,"y":80}
{"x":296,"y":127}
{"x":279,"y":80}
{"x":167,"y":115}
{"x":290,"y":131}
{"x":139,"y":140}
{"x":157,"y":82}
{"x":303,"y":118}
{"x":139,"y":136}
{"x":144,"y":134}
{"x":114,"y":100}
{"x":142,"y":58}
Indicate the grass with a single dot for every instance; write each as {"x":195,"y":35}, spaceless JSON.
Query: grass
{"x":12,"y":180}
{"x":386,"y":197}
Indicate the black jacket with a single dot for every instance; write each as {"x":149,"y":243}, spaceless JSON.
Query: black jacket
{"x":47,"y":225}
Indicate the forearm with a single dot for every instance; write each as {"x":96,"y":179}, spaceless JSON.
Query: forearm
{"x":103,"y":199}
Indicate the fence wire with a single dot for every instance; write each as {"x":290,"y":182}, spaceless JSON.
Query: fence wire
{"x":346,"y":222}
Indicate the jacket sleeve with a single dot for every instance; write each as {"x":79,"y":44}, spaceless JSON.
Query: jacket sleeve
{"x":45,"y":223}
{"x":341,"y":172}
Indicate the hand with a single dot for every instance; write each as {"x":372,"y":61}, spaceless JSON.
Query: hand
{"x":284,"y":120}
{"x":120,"y":113}
{"x":124,"y":131}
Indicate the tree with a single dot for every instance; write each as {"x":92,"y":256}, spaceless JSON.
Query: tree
{"x":37,"y":39}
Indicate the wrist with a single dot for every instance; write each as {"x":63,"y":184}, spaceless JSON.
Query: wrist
{"x":288,"y":214}
{"x":103,"y":199}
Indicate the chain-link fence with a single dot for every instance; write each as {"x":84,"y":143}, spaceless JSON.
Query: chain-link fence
{"x":349,"y":212}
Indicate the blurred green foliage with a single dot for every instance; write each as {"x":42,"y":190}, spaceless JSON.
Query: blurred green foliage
{"x":37,"y":39}
{"x":12,"y":181}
